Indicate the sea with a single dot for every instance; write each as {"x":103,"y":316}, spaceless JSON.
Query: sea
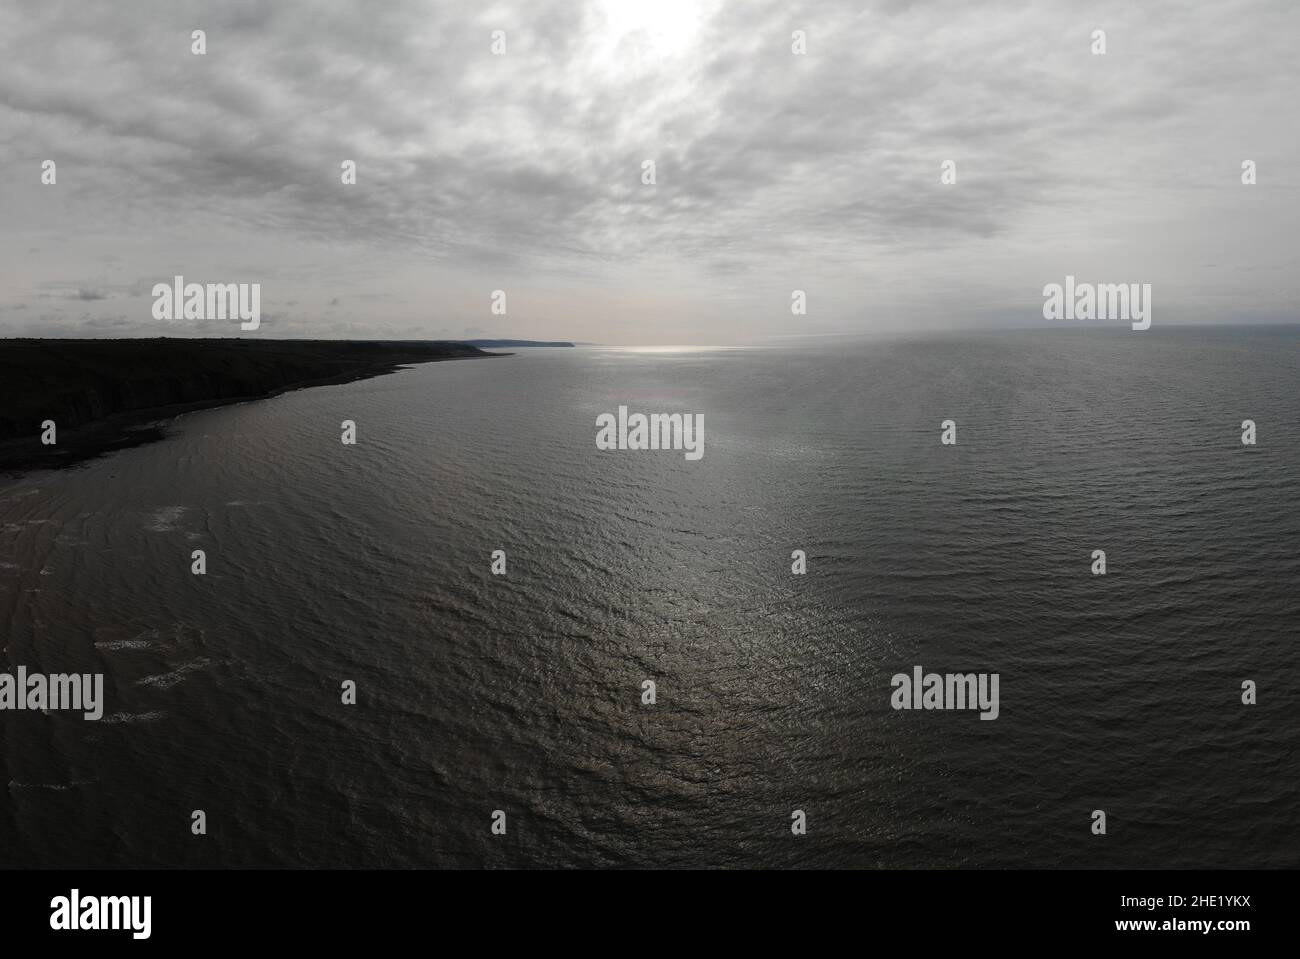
{"x":350,"y":684}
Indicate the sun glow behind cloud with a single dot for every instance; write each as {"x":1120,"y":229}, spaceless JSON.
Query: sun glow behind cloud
{"x":663,"y":29}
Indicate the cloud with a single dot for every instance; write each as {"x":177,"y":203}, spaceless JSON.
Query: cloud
{"x":70,"y":291}
{"x":774,"y":171}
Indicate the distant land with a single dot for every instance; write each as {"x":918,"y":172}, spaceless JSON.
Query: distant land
{"x":101,"y":393}
{"x":512,"y":344}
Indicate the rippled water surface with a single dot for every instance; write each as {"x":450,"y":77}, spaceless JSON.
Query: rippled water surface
{"x":522,"y":692}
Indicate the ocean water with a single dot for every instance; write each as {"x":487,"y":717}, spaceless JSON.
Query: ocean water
{"x":522,"y":692}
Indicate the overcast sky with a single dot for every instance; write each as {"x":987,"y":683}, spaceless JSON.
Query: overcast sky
{"x":522,"y":172}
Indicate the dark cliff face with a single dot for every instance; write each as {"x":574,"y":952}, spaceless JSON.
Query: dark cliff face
{"x":77,"y":382}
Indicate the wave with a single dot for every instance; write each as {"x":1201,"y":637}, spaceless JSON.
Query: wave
{"x":60,"y":787}
{"x":165,"y":520}
{"x":177,"y":675}
{"x":130,"y":719}
{"x":113,"y":645}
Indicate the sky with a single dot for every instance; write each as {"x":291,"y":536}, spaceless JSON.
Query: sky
{"x":522,"y":170}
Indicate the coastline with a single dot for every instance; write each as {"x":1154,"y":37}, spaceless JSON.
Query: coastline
{"x":99,"y":407}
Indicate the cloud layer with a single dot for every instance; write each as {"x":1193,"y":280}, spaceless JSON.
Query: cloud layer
{"x":523,"y":171}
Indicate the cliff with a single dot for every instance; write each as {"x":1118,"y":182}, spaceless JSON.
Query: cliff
{"x":77,"y":383}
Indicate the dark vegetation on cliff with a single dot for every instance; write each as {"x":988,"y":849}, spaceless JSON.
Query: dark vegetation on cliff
{"x":79,"y":383}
